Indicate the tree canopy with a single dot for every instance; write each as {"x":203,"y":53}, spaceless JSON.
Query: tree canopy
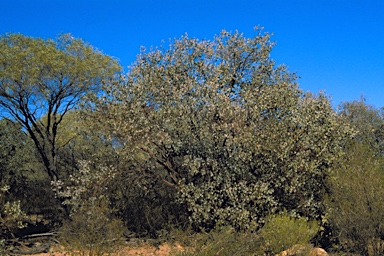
{"x":46,"y":78}
{"x":226,"y":127}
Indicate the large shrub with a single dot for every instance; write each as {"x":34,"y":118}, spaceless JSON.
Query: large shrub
{"x":356,"y":207}
{"x":225,"y":127}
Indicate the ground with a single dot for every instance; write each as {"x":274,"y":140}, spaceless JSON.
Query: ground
{"x":145,"y":250}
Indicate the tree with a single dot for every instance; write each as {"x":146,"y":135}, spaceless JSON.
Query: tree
{"x":46,"y":78}
{"x":226,"y":128}
{"x":75,"y":143}
{"x":368,"y":121}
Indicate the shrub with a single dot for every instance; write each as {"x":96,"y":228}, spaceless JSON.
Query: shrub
{"x":147,"y":208}
{"x":92,"y":231}
{"x":12,"y":218}
{"x":225,"y":126}
{"x":282,"y":232}
{"x":223,"y":240}
{"x":11,"y":215}
{"x":356,"y":206}
{"x":92,"y":228}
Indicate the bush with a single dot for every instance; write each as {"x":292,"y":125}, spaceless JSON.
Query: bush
{"x":147,"y":208}
{"x":92,"y":228}
{"x":11,"y":215}
{"x":219,"y":241}
{"x":12,"y":218}
{"x":92,"y":231}
{"x":356,"y":206}
{"x":225,"y":126}
{"x":283,"y":232}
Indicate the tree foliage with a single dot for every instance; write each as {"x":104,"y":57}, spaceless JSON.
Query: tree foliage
{"x":368,"y":121}
{"x":227,"y":128}
{"x":356,"y":208}
{"x":46,"y":78}
{"x":17,"y":153}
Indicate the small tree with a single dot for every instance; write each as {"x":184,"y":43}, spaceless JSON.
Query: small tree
{"x":45,"y":78}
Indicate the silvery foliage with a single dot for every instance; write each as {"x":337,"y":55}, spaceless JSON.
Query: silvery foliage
{"x":87,"y":187}
{"x":230,"y":130}
{"x":11,"y":215}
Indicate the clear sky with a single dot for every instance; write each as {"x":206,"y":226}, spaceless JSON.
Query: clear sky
{"x":334,"y":45}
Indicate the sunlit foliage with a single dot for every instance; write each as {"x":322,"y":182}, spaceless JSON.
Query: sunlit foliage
{"x":46,"y":78}
{"x":225,"y":126}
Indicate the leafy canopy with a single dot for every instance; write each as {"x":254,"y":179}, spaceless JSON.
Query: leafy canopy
{"x":227,"y":128}
{"x":45,"y":78}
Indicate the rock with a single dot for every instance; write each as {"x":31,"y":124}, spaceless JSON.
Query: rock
{"x":301,"y":249}
{"x":318,"y":252}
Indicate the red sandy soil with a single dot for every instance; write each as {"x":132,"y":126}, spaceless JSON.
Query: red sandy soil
{"x":145,"y":250}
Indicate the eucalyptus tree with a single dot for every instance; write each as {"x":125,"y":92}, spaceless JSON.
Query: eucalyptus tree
{"x":47,"y":78}
{"x":227,"y":129}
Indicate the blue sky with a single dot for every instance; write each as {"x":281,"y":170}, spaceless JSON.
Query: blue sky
{"x":334,"y":45}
